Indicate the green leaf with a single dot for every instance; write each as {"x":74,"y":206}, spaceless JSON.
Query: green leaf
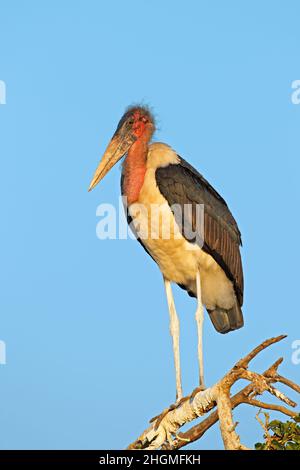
{"x":260,"y":446}
{"x":276,"y":445}
{"x":284,"y":436}
{"x":297,"y":418}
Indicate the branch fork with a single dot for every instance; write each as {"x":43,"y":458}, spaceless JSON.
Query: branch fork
{"x":163,"y":432}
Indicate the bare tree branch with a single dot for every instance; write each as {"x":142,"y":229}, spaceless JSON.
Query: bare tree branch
{"x":289,"y":383}
{"x":163,"y":432}
{"x":244,"y":362}
{"x":230,"y":437}
{"x":270,"y":406}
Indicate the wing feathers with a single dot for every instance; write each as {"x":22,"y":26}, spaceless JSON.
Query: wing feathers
{"x":182,"y":184}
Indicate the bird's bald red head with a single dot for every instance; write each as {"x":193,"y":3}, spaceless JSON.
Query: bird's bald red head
{"x":140,"y":120}
{"x":132,"y":135}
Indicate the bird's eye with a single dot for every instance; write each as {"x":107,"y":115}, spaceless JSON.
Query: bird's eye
{"x":131,"y":121}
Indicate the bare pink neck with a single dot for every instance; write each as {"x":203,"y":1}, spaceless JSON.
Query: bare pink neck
{"x":134,"y":170}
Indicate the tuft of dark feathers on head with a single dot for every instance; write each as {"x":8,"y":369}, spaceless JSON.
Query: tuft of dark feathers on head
{"x":142,"y":108}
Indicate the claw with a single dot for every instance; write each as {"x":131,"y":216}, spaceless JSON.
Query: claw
{"x":201,"y":388}
{"x":175,"y":405}
{"x":161,"y":416}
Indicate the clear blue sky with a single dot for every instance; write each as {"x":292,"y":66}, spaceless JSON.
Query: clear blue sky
{"x":85,"y":322}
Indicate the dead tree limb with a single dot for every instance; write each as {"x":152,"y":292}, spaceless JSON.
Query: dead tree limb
{"x":163,"y":432}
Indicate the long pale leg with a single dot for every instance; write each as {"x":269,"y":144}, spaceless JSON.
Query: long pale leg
{"x":174,"y":330}
{"x":199,"y":319}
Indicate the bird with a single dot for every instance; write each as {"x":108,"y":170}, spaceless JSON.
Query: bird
{"x":183,"y":223}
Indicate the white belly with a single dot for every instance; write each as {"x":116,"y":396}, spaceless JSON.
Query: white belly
{"x":177,"y":258}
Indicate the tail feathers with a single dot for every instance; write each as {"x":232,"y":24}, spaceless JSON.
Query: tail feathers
{"x":227,"y":320}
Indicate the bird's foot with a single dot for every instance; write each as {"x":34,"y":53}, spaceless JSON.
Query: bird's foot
{"x":201,"y":388}
{"x":158,"y":419}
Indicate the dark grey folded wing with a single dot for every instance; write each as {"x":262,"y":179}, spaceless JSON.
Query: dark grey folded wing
{"x":181,"y":184}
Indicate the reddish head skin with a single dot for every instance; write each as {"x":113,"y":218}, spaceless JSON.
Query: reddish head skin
{"x":135,"y":162}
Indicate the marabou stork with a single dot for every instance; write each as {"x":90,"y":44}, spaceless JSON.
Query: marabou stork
{"x":208,"y":266}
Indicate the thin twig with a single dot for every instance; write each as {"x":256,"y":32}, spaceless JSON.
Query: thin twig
{"x":289,"y":383}
{"x":271,"y":406}
{"x":265,"y":344}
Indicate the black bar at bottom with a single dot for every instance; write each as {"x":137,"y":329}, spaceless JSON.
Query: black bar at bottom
{"x":132,"y":459}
